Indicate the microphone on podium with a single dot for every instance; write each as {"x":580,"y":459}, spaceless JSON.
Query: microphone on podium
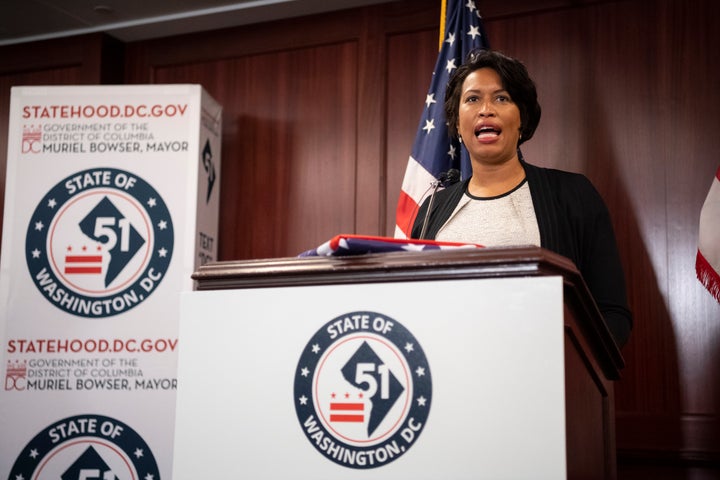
{"x":445,"y":179}
{"x":450,"y":177}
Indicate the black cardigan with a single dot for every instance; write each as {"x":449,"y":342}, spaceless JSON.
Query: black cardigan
{"x":574,"y":222}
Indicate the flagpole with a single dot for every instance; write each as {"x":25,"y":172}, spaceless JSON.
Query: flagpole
{"x":443,"y":15}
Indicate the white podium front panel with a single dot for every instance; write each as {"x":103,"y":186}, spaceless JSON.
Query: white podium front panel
{"x":418,"y":380}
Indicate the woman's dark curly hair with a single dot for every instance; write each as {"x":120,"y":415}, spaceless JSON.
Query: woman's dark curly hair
{"x":515,"y":80}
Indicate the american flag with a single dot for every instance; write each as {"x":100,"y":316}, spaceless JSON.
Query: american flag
{"x":707,"y":260}
{"x":434,"y":152}
{"x":346,"y":245}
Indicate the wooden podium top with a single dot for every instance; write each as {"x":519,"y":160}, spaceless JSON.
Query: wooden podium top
{"x":384,"y":267}
{"x":450,"y":264}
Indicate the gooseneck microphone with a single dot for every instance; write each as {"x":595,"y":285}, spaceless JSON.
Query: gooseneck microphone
{"x":451,"y":177}
{"x":445,"y":179}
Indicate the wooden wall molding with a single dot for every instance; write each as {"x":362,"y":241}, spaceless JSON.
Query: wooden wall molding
{"x":669,"y":438}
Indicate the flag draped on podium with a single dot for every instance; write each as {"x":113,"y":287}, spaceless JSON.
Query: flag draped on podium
{"x":346,"y":245}
{"x":433,"y":152}
{"x":707,"y":261}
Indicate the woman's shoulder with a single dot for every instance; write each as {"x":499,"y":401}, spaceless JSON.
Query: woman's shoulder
{"x":556,"y":178}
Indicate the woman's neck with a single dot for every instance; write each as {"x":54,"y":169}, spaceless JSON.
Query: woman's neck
{"x":491,"y":180}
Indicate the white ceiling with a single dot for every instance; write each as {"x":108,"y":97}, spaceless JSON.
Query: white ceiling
{"x":131,"y":20}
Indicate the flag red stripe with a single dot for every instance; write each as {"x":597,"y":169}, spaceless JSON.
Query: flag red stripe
{"x":405,"y":214}
{"x":707,"y":275}
{"x":347,"y":406}
{"x":83,"y":269}
{"x":347,"y":418}
{"x":83,"y":259}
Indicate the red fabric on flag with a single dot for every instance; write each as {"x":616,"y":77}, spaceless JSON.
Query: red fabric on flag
{"x":434,"y":152}
{"x":707,"y":261}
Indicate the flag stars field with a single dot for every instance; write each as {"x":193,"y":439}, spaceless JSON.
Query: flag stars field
{"x":429,"y":125}
{"x":450,"y":66}
{"x":474,"y":32}
{"x":413,"y":248}
{"x":429,"y":100}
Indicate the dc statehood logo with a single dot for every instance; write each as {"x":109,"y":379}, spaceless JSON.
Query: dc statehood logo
{"x":86,"y":447}
{"x":99,"y":242}
{"x":363,"y":390}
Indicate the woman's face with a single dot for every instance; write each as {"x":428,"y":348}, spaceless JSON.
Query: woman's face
{"x":488,"y":119}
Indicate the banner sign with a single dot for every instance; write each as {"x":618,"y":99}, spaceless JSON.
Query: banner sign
{"x":112,"y":202}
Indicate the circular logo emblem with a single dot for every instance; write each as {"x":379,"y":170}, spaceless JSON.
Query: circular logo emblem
{"x":99,"y":243}
{"x":86,"y":446}
{"x":362,"y":390}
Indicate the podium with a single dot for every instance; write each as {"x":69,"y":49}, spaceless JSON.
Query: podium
{"x":487,"y":363}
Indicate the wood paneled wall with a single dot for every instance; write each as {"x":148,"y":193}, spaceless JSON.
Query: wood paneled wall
{"x":319,"y":117}
{"x":304,"y":121}
{"x":83,"y":60}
